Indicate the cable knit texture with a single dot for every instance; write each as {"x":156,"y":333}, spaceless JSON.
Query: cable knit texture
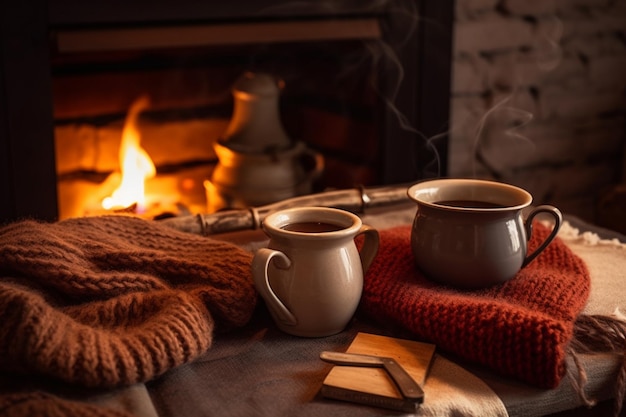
{"x":114,"y":300}
{"x":520,"y":328}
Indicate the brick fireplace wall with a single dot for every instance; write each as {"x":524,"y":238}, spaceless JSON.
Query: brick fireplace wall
{"x":539,"y":98}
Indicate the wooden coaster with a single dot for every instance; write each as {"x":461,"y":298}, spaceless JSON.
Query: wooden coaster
{"x":373,"y":386}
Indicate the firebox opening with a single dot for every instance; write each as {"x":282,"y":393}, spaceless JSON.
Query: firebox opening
{"x":365,"y":83}
{"x":333,"y":99}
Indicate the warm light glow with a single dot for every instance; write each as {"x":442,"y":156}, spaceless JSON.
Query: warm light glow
{"x":135,"y":164}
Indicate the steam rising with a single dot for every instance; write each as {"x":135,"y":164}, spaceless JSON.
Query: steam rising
{"x":381,"y":56}
{"x":505,"y":122}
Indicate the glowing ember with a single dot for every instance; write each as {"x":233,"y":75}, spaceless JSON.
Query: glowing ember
{"x":135,"y":164}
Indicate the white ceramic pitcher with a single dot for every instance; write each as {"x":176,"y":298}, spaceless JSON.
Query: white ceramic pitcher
{"x":311,"y":273}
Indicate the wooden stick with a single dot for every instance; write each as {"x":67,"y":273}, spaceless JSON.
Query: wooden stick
{"x":355,"y":200}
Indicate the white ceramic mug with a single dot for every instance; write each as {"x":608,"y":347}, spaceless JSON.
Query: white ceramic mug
{"x":311,"y":273}
{"x":470,"y":233}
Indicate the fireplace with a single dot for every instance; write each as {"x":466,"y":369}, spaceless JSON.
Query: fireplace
{"x":365,"y":85}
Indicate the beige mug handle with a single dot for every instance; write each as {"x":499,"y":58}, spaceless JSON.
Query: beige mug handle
{"x":260,"y":264}
{"x":558,"y":219}
{"x":369,"y":249}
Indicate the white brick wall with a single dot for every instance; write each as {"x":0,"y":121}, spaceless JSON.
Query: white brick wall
{"x":547,"y":80}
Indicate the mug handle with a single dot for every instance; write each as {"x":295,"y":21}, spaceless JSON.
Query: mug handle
{"x":369,"y":249}
{"x":313,"y":163}
{"x":558,"y":219}
{"x":260,"y":264}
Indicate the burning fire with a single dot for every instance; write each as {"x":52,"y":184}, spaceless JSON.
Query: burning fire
{"x":135,"y":164}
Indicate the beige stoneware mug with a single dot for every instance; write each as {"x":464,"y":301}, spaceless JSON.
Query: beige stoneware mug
{"x":471,"y":233}
{"x":311,"y":273}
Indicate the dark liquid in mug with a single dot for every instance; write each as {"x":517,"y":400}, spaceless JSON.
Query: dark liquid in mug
{"x":311,"y":227}
{"x":469,"y":204}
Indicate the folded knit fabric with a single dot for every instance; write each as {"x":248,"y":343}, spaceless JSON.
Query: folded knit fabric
{"x":114,"y":300}
{"x":520,"y":328}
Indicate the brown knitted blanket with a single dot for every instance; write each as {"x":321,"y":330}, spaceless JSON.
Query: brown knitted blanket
{"x":521,"y":328}
{"x":111,"y":301}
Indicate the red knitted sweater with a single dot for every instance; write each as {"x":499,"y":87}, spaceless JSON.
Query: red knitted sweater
{"x":520,"y":328}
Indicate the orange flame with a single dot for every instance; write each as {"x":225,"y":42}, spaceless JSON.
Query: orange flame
{"x":135,"y":164}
